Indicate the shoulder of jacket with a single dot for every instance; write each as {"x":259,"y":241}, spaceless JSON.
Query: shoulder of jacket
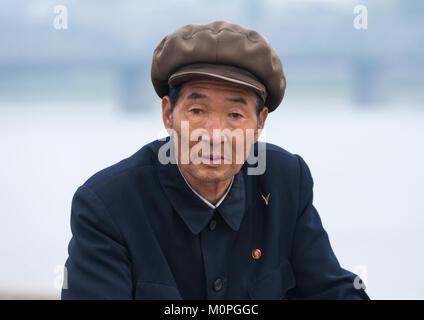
{"x":277,"y":155}
{"x":281,"y":164}
{"x":146,"y":157}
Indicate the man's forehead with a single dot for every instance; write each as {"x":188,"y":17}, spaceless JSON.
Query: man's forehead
{"x":205,"y":85}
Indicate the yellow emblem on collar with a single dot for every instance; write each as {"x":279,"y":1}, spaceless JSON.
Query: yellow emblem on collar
{"x":266,"y":199}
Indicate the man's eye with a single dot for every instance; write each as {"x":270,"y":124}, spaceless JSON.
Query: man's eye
{"x":235,"y":115}
{"x":196,"y":111}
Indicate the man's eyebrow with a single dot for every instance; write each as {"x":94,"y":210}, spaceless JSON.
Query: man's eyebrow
{"x":238,"y":99}
{"x":196,"y":95}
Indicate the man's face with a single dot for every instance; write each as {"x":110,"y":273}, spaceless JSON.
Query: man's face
{"x":218,"y":122}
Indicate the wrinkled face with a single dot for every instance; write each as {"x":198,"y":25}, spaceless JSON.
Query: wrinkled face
{"x":216,"y":123}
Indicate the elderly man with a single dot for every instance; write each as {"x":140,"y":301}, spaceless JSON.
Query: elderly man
{"x":207,"y":212}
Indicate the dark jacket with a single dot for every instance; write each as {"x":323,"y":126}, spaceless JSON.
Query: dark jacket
{"x":140,"y":232}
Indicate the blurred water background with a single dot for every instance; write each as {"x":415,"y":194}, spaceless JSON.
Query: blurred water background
{"x":76,"y":100}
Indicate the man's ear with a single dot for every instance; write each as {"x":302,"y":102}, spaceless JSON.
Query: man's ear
{"x":166,"y":113}
{"x":261,"y":122}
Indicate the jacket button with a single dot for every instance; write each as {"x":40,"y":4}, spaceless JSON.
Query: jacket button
{"x":212,"y":225}
{"x":217,"y":284}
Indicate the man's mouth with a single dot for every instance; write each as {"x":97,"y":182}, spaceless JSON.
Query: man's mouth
{"x":215,"y":157}
{"x":211,"y":159}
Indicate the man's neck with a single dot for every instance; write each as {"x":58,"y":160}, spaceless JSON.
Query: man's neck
{"x":211,"y":191}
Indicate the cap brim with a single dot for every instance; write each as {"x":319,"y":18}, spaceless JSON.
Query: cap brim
{"x":227,"y":73}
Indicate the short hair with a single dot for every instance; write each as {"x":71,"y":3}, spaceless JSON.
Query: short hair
{"x":174,"y":93}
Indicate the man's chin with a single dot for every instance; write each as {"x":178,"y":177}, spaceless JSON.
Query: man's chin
{"x":212,"y":172}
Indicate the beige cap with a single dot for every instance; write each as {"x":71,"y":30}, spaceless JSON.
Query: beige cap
{"x":219,"y":50}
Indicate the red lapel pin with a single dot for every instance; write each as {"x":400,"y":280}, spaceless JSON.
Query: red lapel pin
{"x":256,"y":253}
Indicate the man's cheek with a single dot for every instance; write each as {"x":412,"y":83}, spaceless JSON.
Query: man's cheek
{"x":239,"y":151}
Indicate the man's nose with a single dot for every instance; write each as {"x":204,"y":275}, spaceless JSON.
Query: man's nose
{"x":214,"y":127}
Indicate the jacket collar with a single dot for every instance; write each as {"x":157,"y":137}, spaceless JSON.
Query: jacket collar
{"x":196,"y":213}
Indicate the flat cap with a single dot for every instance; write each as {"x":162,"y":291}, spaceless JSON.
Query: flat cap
{"x":219,"y":50}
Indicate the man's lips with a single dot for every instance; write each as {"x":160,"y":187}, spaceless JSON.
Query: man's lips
{"x":213,"y":159}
